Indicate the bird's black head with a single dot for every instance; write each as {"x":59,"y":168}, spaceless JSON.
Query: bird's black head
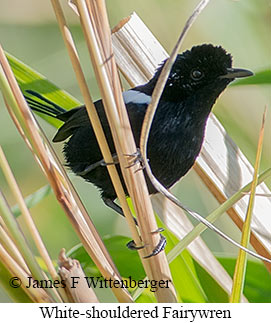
{"x":205,"y":69}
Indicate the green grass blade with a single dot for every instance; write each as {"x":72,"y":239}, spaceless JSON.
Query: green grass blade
{"x":33,"y":199}
{"x":257,"y":288}
{"x":240,"y":268}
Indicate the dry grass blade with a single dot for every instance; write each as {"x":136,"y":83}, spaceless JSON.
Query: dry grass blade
{"x":59,"y":181}
{"x":240,"y":267}
{"x":36,"y":294}
{"x":26,"y":215}
{"x":97,"y":33}
{"x":136,"y":50}
{"x":149,"y":117}
{"x":159,"y":89}
{"x":15,"y":233}
{"x":17,"y":258}
{"x":8,"y":243}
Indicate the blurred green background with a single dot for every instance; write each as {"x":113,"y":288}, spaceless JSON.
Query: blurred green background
{"x":29,"y":32}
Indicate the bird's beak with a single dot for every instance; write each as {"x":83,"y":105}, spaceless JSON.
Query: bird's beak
{"x":233,"y":73}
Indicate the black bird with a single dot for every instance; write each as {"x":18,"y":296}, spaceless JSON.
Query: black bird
{"x":197,"y":78}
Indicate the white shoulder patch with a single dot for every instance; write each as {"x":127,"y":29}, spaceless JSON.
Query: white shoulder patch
{"x":136,"y":97}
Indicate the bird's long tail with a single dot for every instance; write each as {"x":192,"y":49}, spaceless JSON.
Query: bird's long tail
{"x":44,"y":105}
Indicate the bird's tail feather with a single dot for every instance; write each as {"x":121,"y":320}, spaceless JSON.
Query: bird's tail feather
{"x":46,"y":106}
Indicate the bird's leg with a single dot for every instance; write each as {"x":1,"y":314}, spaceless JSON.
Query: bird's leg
{"x":110,"y":203}
{"x":99,"y":163}
{"x":114,"y":206}
{"x":137,"y":158}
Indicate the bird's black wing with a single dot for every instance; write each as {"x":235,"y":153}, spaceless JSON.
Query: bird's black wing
{"x":136,"y":104}
{"x":78,"y":118}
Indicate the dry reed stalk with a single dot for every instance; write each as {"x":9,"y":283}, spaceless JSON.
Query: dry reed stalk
{"x":27,"y":216}
{"x":94,"y":118}
{"x":97,"y":127}
{"x":12,"y":228}
{"x":95,"y":25}
{"x":60,"y":183}
{"x":36,"y":294}
{"x":12,"y":249}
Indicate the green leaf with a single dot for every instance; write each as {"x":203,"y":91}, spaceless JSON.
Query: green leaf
{"x":182,"y":268}
{"x":262,"y":77}
{"x":212,"y":289}
{"x":28,"y":79}
{"x":116,"y":246}
{"x":185,"y":279}
{"x":146,"y":297}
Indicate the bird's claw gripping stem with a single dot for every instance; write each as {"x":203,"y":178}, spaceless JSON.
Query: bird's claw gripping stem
{"x":136,"y":158}
{"x":160,"y":246}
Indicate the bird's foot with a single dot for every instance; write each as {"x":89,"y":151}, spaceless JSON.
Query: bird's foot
{"x":160,"y":246}
{"x":131,"y":244}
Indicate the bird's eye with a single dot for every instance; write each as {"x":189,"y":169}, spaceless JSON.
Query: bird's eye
{"x":197,"y":75}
